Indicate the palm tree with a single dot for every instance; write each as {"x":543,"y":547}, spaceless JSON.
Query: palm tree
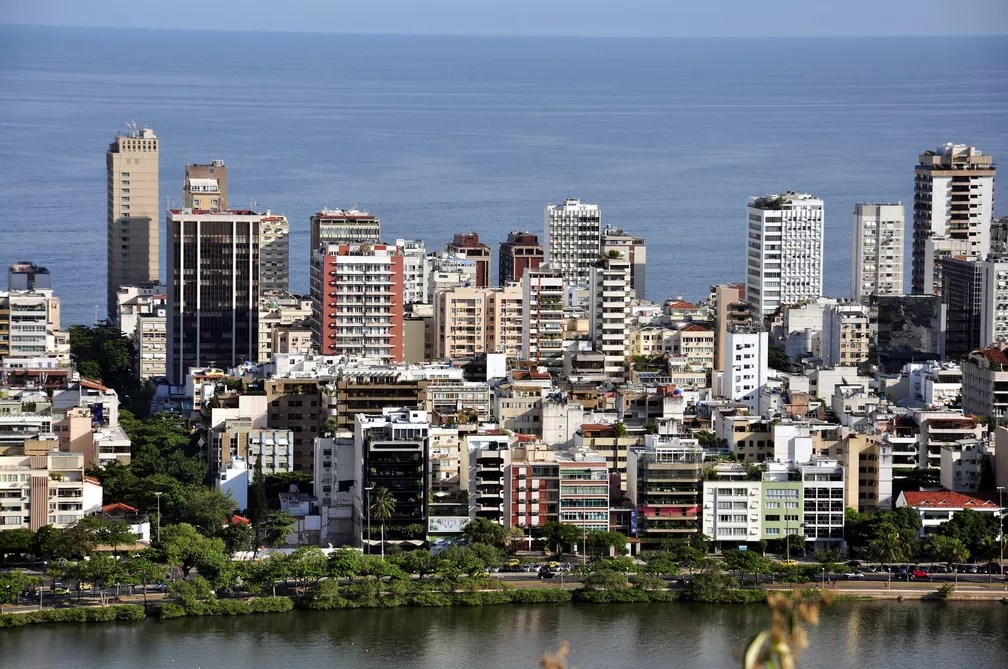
{"x":382,"y":507}
{"x":887,"y":547}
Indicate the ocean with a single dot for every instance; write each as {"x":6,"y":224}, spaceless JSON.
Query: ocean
{"x":438,"y":135}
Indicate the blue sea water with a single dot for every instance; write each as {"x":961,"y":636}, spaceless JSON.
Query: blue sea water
{"x":438,"y":135}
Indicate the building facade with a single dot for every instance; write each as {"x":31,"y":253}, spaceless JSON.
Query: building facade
{"x":877,"y":251}
{"x":784,"y":262}
{"x":205,"y":186}
{"x":134,"y":249}
{"x":343,"y":226}
{"x":521,"y":251}
{"x":610,"y":298}
{"x":953,"y":210}
{"x":213,"y":296}
{"x":573,"y":239}
{"x":357,"y":301}
{"x":542,"y":314}
{"x":468,"y":245}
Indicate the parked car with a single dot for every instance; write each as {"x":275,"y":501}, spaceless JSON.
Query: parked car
{"x":788,"y":563}
{"x":854,"y":575}
{"x":920,"y":573}
{"x":939,"y":569}
{"x":854,"y":564}
{"x":901,"y":571}
{"x":546,"y":573}
{"x":60,"y":589}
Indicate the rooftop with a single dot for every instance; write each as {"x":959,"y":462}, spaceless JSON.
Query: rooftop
{"x":946,"y":499}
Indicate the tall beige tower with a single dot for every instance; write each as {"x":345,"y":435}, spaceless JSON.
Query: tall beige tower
{"x":133,"y":248}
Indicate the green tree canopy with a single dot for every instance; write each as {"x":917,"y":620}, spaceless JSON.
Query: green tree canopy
{"x":183,"y":546}
{"x":483,"y":531}
{"x":972,"y":528}
{"x":12,"y":584}
{"x":946,"y":549}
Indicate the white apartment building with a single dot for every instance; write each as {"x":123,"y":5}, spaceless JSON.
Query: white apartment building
{"x":415,"y":270}
{"x":610,"y":298}
{"x":784,"y":259}
{"x":573,"y":239}
{"x":634,"y":250}
{"x":143,"y":314}
{"x":732,"y":510}
{"x":542,"y":314}
{"x":746,"y":369}
{"x":953,"y":210}
{"x":993,"y":300}
{"x":877,"y":250}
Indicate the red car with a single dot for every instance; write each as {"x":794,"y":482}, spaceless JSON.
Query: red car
{"x":920,"y":573}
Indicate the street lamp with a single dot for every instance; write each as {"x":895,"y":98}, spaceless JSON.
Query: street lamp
{"x":158,"y":496}
{"x":1000,"y":490}
{"x":367,"y":491}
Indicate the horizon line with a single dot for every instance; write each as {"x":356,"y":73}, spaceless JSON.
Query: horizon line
{"x":219,"y":29}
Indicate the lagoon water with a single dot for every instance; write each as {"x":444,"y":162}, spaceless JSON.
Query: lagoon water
{"x":863,"y":634}
{"x":442,"y":134}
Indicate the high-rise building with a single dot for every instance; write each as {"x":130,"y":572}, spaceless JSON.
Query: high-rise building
{"x":953,"y":209}
{"x":610,"y":312}
{"x":343,"y":226}
{"x":975,"y":294}
{"x":205,"y":186}
{"x":845,"y":337}
{"x":634,"y":250}
{"x":274,"y":253}
{"x":213,"y":298}
{"x":877,"y":253}
{"x":520,"y":252}
{"x":573,"y":239}
{"x":467,"y":244}
{"x":784,"y":262}
{"x":469,"y":321}
{"x":414,"y":270}
{"x":542,"y":314}
{"x":730,"y":308}
{"x":746,"y":368}
{"x":357,"y":301}
{"x":133,"y":245}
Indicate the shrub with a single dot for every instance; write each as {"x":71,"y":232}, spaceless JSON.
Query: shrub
{"x":271,"y":605}
{"x":168,"y":611}
{"x":541,"y":596}
{"x":232,"y":607}
{"x":945,"y":590}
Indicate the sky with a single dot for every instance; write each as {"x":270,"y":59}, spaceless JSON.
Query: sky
{"x":532,"y":17}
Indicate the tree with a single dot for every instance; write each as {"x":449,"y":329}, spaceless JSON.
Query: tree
{"x":264,"y":574}
{"x":347,"y":563}
{"x":649,"y":582}
{"x":972,"y":529}
{"x":49,"y":543}
{"x":946,"y":549}
{"x":16,"y":542}
{"x":306,"y":566}
{"x":237,"y":537}
{"x":887,"y":546}
{"x":102,"y":570}
{"x":458,"y":560}
{"x":208,"y":509}
{"x":605,"y":579}
{"x":619,"y":429}
{"x":383,"y":505}
{"x":483,"y":531}
{"x":112,"y":533}
{"x":257,"y":505}
{"x":419,"y":562}
{"x":12,"y":584}
{"x":184,"y":547}
{"x":604,"y":541}
{"x":143,"y":570}
{"x":705,"y":438}
{"x":277,"y":527}
{"x":660,"y":562}
{"x":558,"y":534}
{"x":747,"y":562}
{"x":777,"y":358}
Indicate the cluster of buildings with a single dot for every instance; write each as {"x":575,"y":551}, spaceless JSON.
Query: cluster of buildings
{"x":559,"y":392}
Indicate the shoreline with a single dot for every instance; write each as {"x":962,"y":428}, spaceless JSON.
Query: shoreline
{"x":240,"y":606}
